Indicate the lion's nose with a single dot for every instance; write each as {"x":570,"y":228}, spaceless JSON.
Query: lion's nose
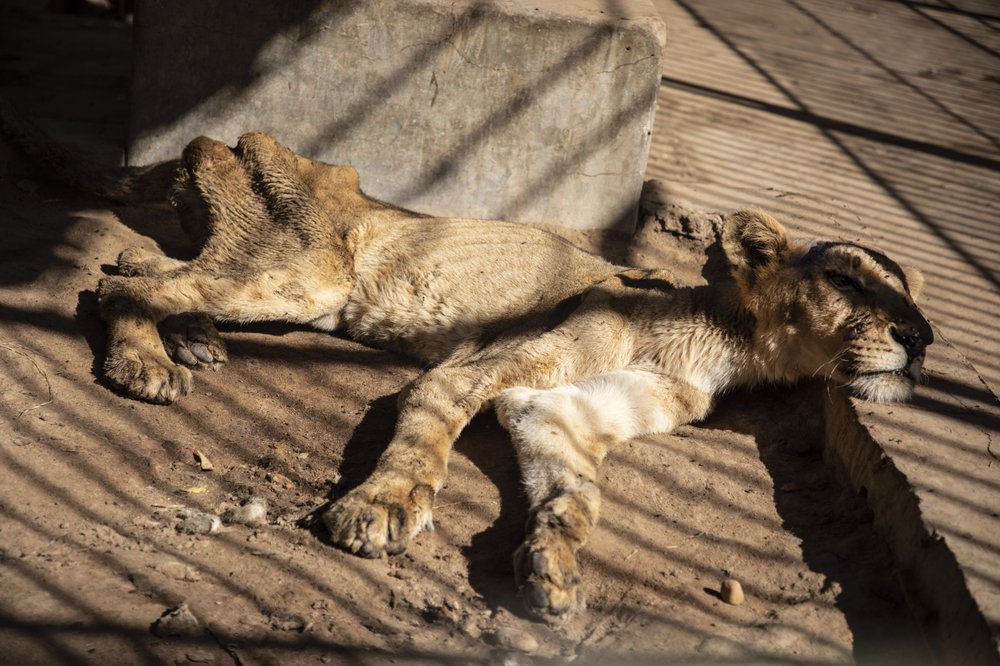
{"x":913,"y":338}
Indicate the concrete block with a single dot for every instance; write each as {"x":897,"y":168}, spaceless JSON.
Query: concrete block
{"x":529,"y":111}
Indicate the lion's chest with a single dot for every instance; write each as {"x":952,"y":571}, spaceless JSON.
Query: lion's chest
{"x":695,"y":352}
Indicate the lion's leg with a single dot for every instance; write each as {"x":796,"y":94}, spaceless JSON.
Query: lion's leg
{"x":251,"y":268}
{"x":277,"y":174}
{"x":190,"y":339}
{"x":136,"y":360}
{"x":394,"y":504}
{"x":139,"y":262}
{"x":219,"y":209}
{"x":561,"y":436}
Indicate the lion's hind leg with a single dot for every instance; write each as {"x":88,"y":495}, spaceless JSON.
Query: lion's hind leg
{"x":192,"y":339}
{"x":135,"y":360}
{"x":151,"y":343}
{"x":558,"y":452}
{"x":561,"y":436}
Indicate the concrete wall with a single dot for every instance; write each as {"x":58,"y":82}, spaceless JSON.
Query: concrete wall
{"x":529,"y":111}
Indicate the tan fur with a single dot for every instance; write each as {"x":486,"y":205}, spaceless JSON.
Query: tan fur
{"x":577,"y":354}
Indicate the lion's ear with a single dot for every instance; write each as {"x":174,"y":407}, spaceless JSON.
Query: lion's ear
{"x":753,"y":242}
{"x":914,"y":281}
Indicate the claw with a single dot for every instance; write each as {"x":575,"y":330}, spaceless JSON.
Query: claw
{"x":536,"y":596}
{"x":539,"y":564}
{"x":183,"y":355}
{"x":200,"y":350}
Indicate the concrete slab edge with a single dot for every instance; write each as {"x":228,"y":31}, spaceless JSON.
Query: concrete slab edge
{"x":934,"y":568}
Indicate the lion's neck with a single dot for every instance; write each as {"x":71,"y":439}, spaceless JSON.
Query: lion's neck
{"x":720,"y":344}
{"x":779,"y":349}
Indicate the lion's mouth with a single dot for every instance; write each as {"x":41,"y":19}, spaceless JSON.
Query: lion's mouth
{"x":899,"y":372}
{"x":913,"y":371}
{"x":888,"y":385}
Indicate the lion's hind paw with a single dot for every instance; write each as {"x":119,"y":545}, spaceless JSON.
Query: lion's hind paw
{"x":145,"y":377}
{"x":192,"y":340}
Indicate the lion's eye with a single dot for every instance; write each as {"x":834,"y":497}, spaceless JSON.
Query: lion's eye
{"x":843,"y":282}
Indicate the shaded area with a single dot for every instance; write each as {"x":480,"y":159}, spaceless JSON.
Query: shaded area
{"x":835,"y":525}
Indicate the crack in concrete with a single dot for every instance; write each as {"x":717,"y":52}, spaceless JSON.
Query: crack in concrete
{"x":626,"y":64}
{"x":596,"y":175}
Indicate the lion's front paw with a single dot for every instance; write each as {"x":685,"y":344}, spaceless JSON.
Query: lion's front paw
{"x":380,"y":516}
{"x":145,"y":376}
{"x":547,"y":576}
{"x":192,"y":340}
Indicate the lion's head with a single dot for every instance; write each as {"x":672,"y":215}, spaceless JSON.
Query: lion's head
{"x":829,"y":308}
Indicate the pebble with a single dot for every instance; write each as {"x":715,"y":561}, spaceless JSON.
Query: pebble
{"x":179,"y":571}
{"x":252,"y":513}
{"x":470,"y":628}
{"x":516,"y":639}
{"x":284,"y":622}
{"x":178,"y":621}
{"x":732,"y":592}
{"x":279,"y":480}
{"x":197,"y":522}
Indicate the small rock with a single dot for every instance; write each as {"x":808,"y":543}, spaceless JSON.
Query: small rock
{"x":179,"y":621}
{"x":279,"y":480}
{"x":252,"y":513}
{"x":470,"y":628}
{"x":283,"y":622}
{"x":197,"y":522}
{"x":178,"y":571}
{"x":732,"y":592}
{"x":200,"y":657}
{"x":203,"y":462}
{"x":515,"y":639}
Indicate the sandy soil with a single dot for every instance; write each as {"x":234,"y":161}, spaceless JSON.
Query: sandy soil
{"x":92,"y":485}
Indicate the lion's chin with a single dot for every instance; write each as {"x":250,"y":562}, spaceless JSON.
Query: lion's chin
{"x":890,"y":386}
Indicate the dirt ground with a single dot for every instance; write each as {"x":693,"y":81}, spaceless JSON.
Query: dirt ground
{"x":92,"y":484}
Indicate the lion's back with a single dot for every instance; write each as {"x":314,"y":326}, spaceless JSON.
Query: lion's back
{"x":429,"y":285}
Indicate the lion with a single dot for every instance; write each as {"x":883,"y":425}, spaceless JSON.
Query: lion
{"x":576,"y":354}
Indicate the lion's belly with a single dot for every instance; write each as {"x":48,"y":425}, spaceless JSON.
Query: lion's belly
{"x":428,"y":287}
